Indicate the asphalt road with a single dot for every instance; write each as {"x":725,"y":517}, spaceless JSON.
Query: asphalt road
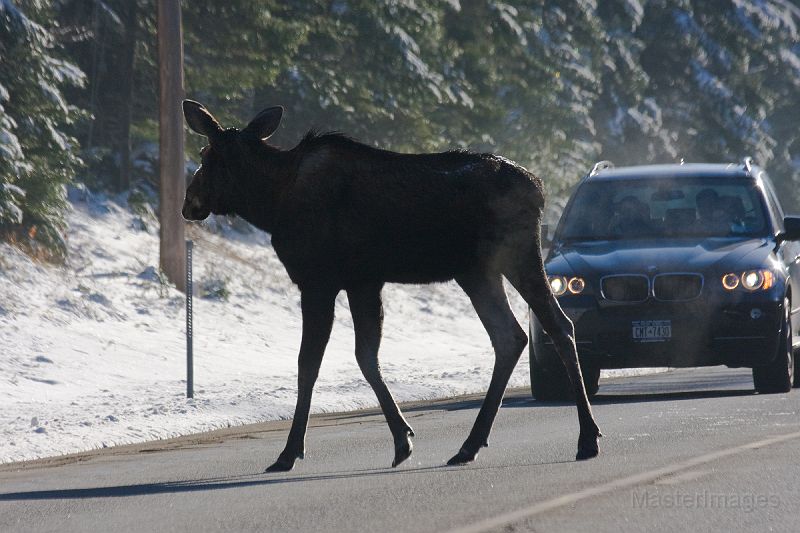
{"x":687,"y":450}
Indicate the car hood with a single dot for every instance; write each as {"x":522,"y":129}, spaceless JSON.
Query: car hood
{"x":649,"y":257}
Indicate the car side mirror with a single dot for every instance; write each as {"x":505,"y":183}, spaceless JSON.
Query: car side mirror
{"x":791,"y":230}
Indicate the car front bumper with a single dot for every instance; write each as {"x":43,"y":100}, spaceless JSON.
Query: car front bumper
{"x":734,"y":329}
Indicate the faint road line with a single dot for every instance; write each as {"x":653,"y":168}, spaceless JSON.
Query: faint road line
{"x":525,"y":513}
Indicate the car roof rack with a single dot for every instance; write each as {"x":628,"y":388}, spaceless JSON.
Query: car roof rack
{"x":747,"y":163}
{"x":600,"y":165}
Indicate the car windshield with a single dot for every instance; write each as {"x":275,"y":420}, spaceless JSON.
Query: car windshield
{"x":655,"y":208}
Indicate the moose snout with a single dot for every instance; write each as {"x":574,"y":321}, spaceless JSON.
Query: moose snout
{"x":193,"y":209}
{"x":186,"y":211}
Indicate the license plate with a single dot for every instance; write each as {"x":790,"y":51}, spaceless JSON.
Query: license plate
{"x":651,"y":330}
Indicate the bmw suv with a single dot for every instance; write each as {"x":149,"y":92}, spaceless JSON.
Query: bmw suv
{"x":674,"y":265}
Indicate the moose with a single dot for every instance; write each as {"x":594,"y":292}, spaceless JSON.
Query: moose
{"x":346,"y":216}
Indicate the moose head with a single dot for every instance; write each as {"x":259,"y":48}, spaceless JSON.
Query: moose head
{"x":223,"y":159}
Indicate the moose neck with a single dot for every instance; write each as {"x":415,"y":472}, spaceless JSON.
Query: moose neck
{"x":264,"y":176}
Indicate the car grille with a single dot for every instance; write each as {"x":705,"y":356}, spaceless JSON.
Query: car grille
{"x":625,"y":288}
{"x":677,"y":287}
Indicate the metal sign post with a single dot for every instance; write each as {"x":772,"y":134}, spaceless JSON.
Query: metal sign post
{"x":189,"y":354}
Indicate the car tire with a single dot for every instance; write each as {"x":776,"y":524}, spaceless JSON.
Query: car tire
{"x":550,"y":382}
{"x":778,"y":376}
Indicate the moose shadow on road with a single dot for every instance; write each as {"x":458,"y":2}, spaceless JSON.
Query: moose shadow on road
{"x":236,"y":482}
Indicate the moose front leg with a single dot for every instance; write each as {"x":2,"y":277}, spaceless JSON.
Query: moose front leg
{"x":367,"y":311}
{"x":317,"y":308}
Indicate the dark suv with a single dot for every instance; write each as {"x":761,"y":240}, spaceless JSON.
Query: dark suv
{"x":674,"y":265}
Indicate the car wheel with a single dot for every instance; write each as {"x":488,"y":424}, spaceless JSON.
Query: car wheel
{"x":550,"y":382}
{"x":778,"y":376}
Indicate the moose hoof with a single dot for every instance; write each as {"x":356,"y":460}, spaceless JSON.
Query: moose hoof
{"x":462,"y":457}
{"x":402,"y":450}
{"x":283,"y":464}
{"x":587,"y":448}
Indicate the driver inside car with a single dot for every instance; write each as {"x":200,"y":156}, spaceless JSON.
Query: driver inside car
{"x":631,"y":217}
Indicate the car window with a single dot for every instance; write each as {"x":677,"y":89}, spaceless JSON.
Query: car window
{"x":653,"y":208}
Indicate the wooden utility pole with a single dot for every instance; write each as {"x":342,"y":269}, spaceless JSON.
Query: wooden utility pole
{"x":173,"y":179}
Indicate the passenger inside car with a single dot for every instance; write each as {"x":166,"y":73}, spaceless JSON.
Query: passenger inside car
{"x":733,"y":211}
{"x":711,"y":216}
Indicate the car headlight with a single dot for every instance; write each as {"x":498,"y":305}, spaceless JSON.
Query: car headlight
{"x":730,"y":281}
{"x":751,"y":280}
{"x":561,"y":285}
{"x":576,"y":285}
{"x":558,"y":284}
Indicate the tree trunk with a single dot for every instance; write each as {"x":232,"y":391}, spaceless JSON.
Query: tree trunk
{"x":128,"y":61}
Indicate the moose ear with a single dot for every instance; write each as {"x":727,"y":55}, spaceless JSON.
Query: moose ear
{"x":199,"y":119}
{"x":265,"y":123}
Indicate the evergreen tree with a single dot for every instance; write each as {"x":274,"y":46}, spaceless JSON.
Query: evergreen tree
{"x":379,"y":71}
{"x":38,"y":157}
{"x":725,"y":76}
{"x":113,"y":42}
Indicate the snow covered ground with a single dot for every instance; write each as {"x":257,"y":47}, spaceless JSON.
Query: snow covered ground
{"x":92,"y":354}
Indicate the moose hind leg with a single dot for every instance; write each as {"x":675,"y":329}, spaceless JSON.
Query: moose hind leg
{"x":508,"y":340}
{"x":317,"y":308}
{"x":531,"y":283}
{"x":367,"y":311}
{"x":560,"y":329}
